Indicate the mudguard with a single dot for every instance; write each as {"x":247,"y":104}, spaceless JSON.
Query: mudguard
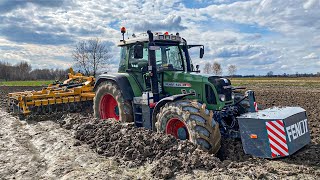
{"x":163,"y":102}
{"x":121,"y":80}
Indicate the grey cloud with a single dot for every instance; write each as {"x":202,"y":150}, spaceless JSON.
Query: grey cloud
{"x":28,"y":35}
{"x":11,"y":48}
{"x":171,"y":23}
{"x":8,"y":5}
{"x":237,"y":51}
{"x":21,"y":29}
{"x":84,"y":31}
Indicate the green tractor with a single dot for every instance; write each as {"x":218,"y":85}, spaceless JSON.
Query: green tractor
{"x":157,"y":87}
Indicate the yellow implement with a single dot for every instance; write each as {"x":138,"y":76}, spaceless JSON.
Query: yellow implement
{"x":74,"y":94}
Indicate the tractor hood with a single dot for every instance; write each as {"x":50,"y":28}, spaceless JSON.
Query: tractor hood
{"x":222,"y":85}
{"x":215,"y":80}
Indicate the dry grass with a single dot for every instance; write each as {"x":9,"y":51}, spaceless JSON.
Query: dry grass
{"x":282,"y":81}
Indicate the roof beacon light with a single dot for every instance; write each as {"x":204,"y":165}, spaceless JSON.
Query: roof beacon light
{"x":166,"y":33}
{"x":123,"y":30}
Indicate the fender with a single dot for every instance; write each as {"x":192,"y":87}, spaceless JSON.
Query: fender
{"x":163,"y":102}
{"x":121,"y":80}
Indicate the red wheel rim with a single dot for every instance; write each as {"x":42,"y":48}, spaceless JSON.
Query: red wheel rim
{"x":177,"y":128}
{"x":108,"y":107}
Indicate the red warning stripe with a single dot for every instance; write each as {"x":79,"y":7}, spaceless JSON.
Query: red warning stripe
{"x":255,"y":104}
{"x":277,"y":138}
{"x":276,"y":149}
{"x":279,"y":144}
{"x":276,"y":127}
{"x":280,"y":122}
{"x":275,"y":134}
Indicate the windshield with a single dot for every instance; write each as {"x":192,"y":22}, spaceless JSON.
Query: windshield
{"x":167,"y":56}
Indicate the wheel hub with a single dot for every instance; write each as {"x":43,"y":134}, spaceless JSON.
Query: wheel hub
{"x":109,"y":107}
{"x":177,"y":128}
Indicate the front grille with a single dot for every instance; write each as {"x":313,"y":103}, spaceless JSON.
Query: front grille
{"x":219,"y":83}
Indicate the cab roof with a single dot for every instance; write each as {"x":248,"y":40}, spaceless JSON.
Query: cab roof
{"x":156,"y":37}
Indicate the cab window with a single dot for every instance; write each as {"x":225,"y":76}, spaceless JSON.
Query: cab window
{"x":123,"y":55}
{"x":166,"y":56}
{"x":170,"y":56}
{"x":137,"y":64}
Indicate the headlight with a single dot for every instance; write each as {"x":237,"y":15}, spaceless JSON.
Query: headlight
{"x":222,"y":97}
{"x":232,"y":95}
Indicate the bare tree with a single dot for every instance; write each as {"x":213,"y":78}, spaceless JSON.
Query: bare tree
{"x":207,"y":68}
{"x":91,"y":55}
{"x":270,"y":73}
{"x":5,"y":71}
{"x":216,"y":68}
{"x":232,"y":69}
{"x":23,"y":71}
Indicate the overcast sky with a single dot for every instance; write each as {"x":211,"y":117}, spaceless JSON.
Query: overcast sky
{"x":282,"y":36}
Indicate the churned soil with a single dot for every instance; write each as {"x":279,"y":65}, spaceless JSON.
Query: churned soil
{"x":79,"y":146}
{"x":132,"y":147}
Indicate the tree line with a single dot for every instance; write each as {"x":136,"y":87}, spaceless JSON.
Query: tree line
{"x":23,"y":71}
{"x":216,"y":69}
{"x":89,"y":56}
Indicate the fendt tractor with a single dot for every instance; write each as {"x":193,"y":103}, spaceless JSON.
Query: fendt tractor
{"x":157,"y":87}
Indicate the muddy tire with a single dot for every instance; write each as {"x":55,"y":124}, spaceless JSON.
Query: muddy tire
{"x":186,"y":119}
{"x":109,"y":103}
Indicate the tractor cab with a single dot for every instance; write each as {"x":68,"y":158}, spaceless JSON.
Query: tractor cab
{"x":169,"y":56}
{"x":171,"y":52}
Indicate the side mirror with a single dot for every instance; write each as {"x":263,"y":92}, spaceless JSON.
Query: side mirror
{"x":201,"y":52}
{"x":138,"y":51}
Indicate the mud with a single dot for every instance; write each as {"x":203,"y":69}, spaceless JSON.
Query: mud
{"x":132,"y":147}
{"x":122,"y":151}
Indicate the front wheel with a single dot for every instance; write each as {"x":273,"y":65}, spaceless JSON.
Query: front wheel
{"x":109,"y":103}
{"x":186,"y":119}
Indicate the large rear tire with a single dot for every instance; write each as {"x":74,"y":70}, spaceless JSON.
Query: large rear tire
{"x":186,"y":119}
{"x":109,"y":103}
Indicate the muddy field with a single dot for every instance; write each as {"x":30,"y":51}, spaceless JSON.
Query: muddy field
{"x":78,"y":146}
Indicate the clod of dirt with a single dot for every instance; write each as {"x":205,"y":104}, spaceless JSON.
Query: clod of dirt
{"x":231,"y":149}
{"x":132,"y":147}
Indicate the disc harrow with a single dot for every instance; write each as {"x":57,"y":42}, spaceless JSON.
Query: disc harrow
{"x":73,"y":95}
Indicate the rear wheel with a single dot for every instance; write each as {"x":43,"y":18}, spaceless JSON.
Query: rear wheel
{"x":109,"y":103}
{"x":186,"y":119}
